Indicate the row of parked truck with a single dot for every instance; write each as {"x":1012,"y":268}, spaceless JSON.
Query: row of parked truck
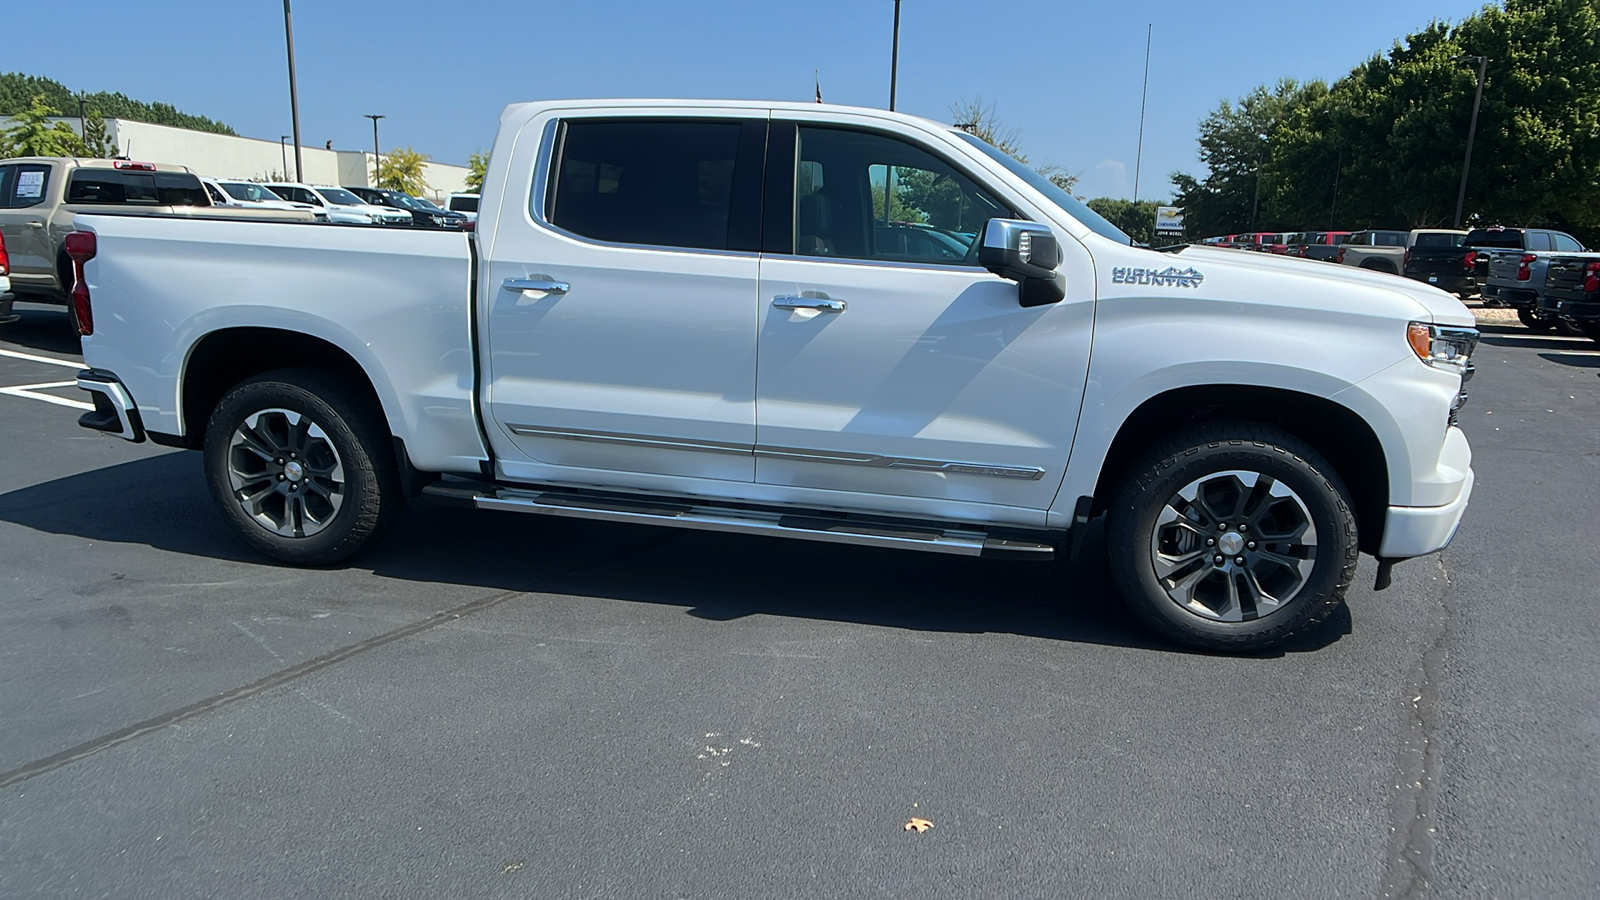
{"x":41,"y":196}
{"x":1549,"y":277}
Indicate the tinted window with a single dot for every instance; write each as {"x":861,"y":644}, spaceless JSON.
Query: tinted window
{"x":672,"y":183}
{"x":1437,"y":239}
{"x":464,"y":204}
{"x":217,"y":197}
{"x":1359,"y":239}
{"x":114,"y":187}
{"x":868,"y":196}
{"x":1566,"y":243}
{"x":1508,"y":238}
{"x":1539,"y":240}
{"x":1338,"y":239}
{"x":1391,"y":238}
{"x":24,"y":185}
{"x":297,"y":195}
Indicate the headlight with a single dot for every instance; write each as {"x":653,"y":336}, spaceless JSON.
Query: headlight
{"x":1442,"y":347}
{"x":377,"y":218}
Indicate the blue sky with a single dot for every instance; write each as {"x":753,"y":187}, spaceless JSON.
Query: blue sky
{"x":1067,"y":74}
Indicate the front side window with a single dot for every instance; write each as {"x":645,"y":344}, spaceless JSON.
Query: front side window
{"x":1566,"y":243}
{"x":869,"y":196}
{"x":662,"y":183}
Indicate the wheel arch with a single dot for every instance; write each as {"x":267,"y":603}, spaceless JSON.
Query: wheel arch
{"x":1340,"y":434}
{"x":223,"y":358}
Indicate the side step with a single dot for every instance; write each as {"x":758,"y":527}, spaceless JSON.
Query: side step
{"x":832,"y":528}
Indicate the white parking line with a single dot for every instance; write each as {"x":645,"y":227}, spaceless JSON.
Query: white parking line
{"x":27,"y":390}
{"x":69,"y":363}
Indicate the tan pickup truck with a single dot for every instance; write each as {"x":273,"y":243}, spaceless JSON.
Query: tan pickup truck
{"x":39,"y":196}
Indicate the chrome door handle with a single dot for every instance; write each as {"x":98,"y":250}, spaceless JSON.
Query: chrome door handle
{"x":821,"y":304}
{"x":35,"y":224}
{"x":546,"y":285}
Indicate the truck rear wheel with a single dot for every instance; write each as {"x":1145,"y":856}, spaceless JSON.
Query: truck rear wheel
{"x":1532,"y":320}
{"x":301,"y":467}
{"x":1232,"y":537}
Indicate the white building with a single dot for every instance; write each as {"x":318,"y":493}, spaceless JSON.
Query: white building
{"x":229,"y":157}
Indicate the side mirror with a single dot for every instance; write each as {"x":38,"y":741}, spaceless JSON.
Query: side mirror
{"x":1027,"y":253}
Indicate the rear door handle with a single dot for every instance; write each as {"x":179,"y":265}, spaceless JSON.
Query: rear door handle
{"x":537,"y":283}
{"x":821,"y":304}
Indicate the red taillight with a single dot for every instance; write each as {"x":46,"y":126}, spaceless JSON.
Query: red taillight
{"x":130,"y":165}
{"x":1523,"y":272}
{"x":1591,"y":278}
{"x":1405,"y":259}
{"x":5,"y":261}
{"x":81,"y":247}
{"x":1470,"y":261}
{"x":1339,"y":256}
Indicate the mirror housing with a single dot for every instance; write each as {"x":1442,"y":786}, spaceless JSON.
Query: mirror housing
{"x":1027,"y":253}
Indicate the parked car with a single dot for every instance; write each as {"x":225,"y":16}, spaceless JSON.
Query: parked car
{"x":6,"y":297}
{"x":422,"y":216}
{"x":40,"y":196}
{"x":1515,"y":259}
{"x":342,"y":207}
{"x":1277,"y":244}
{"x":1440,"y":259}
{"x":251,"y":194}
{"x":1321,"y":245}
{"x":1572,"y":291}
{"x":1246,"y":426}
{"x":1381,"y":251}
{"x":466,"y":204}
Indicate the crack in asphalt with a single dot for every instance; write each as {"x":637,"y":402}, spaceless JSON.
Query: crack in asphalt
{"x":284,"y":676}
{"x":1411,"y":809}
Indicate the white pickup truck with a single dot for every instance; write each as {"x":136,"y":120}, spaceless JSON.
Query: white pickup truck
{"x":802,"y":321}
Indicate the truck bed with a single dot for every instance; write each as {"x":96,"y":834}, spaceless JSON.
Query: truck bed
{"x":397,"y":302}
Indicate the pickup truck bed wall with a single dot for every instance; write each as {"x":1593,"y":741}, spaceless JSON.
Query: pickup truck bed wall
{"x":395,"y":301}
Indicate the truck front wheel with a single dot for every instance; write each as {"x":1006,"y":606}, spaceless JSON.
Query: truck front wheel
{"x":301,"y":467}
{"x":1232,"y":537}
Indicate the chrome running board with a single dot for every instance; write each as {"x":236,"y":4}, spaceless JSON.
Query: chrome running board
{"x":814,"y":526}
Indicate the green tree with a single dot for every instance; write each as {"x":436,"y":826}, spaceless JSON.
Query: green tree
{"x":403,"y":170}
{"x":33,"y":134}
{"x":1136,"y":219}
{"x":18,"y":90}
{"x":477,"y":168}
{"x":96,"y":142}
{"x":1383,"y":146}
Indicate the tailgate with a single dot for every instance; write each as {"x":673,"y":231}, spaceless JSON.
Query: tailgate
{"x":1563,"y":279}
{"x":1437,"y":261}
{"x":1503,"y":266}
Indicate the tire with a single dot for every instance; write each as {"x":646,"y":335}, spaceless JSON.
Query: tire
{"x":337,"y":487}
{"x":1591,"y":330}
{"x":1229,"y":463}
{"x":1533,"y":320}
{"x":1565,"y":328}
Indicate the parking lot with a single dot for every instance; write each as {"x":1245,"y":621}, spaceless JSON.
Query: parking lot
{"x":500,"y":705}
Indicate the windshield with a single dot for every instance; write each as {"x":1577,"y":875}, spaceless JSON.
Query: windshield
{"x":340,"y":196}
{"x":426,"y":204}
{"x":253,"y":193}
{"x":404,"y":201}
{"x":1075,"y":207}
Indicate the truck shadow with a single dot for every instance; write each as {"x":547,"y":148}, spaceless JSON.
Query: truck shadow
{"x":44,"y":328}
{"x":162,"y":502}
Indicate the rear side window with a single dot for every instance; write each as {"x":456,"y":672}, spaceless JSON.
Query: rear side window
{"x":1539,"y":240}
{"x":1391,"y":238}
{"x":464,"y":204}
{"x":23,"y":185}
{"x":664,"y":183}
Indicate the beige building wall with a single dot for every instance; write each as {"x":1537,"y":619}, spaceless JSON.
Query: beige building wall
{"x":229,"y":157}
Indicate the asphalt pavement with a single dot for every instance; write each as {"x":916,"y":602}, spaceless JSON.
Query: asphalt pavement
{"x":499,"y":705}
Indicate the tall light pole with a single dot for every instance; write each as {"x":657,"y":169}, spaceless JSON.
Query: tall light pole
{"x":376,"y":159}
{"x":1472,"y":131}
{"x":894,"y":57}
{"x":294,"y":99}
{"x":283,"y":151}
{"x":1138,"y":155}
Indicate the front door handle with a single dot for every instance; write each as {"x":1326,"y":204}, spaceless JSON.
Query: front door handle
{"x":537,"y":283}
{"x":821,"y":304}
{"x":35,"y":224}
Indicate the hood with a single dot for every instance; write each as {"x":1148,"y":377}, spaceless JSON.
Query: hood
{"x":1425,"y":303}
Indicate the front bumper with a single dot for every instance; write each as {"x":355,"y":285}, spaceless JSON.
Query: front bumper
{"x":1419,"y":530}
{"x":114,"y":410}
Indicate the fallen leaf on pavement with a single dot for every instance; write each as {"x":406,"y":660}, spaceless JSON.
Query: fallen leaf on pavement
{"x":918,"y":825}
